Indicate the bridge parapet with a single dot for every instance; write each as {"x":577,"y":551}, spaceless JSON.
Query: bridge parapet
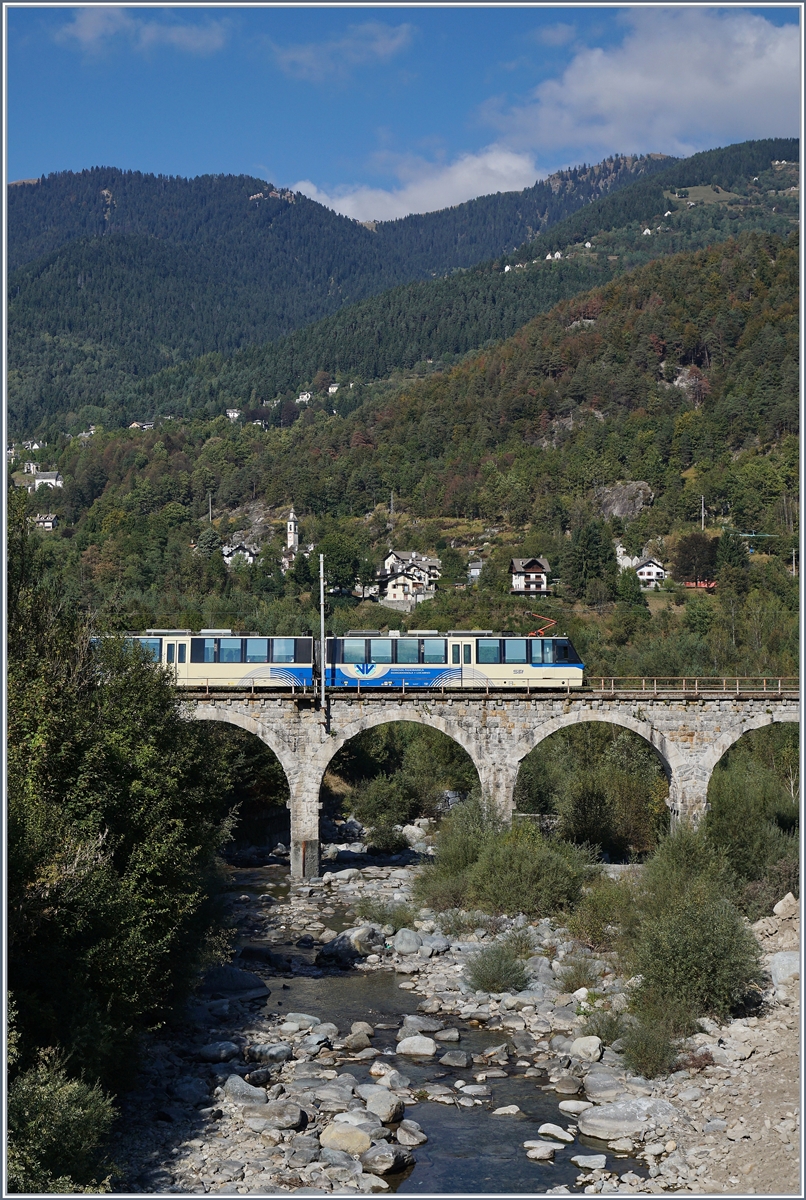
{"x":689,"y":728}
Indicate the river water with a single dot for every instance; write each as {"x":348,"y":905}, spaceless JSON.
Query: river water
{"x":469,"y":1150}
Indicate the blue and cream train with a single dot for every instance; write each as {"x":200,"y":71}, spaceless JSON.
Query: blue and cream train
{"x":365,"y":658}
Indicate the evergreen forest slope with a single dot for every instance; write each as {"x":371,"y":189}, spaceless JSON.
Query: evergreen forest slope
{"x":90,"y":321}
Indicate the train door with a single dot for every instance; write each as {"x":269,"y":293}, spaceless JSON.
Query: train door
{"x":462,"y":657}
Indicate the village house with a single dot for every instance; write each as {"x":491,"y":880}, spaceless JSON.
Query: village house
{"x":49,"y":479}
{"x":625,"y":560}
{"x":242,"y":549}
{"x":45,"y":520}
{"x":10,"y":453}
{"x":30,"y":468}
{"x":34,"y":445}
{"x":233,"y":413}
{"x":304,"y":398}
{"x":474,"y":570}
{"x":650,"y":572}
{"x":408,"y":575}
{"x":529,"y":575}
{"x":331,"y":391}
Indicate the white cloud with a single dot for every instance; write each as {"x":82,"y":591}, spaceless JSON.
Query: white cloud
{"x":682,"y":80}
{"x":322,"y":61}
{"x":555,"y":35}
{"x":95,"y":28}
{"x":426,"y":187}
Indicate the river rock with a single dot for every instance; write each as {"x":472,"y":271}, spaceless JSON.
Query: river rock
{"x":327,"y":1030}
{"x":340,"y":1135}
{"x":625,"y":1118}
{"x":436,"y":941}
{"x":568,"y":1085}
{"x":356,"y":1041}
{"x":217,"y":1052}
{"x":409,"y":1133}
{"x":542,"y":1151}
{"x":385,"y":1105}
{"x":273,"y":1052}
{"x":417,"y":1023}
{"x":601,"y":1087}
{"x":506,"y":1110}
{"x":456,"y":1058}
{"x":788,"y":907}
{"x":406,"y":941}
{"x":574,"y":1107}
{"x":303,"y":1020}
{"x":385,"y":1158}
{"x":243,"y":1093}
{"x":555,"y":1131}
{"x":588,"y":1048}
{"x":285,"y":1114}
{"x":590,"y":1162}
{"x":394,"y":1081}
{"x":417,"y":1046}
{"x":232,"y":979}
{"x":784,"y":967}
{"x":362,"y":1027}
{"x":446,"y":1035}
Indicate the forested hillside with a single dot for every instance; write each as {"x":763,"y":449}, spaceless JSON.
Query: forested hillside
{"x":682,"y":374}
{"x":89,"y":323}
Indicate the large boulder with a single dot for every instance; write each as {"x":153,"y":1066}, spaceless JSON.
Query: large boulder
{"x":339,"y":1135}
{"x":386,"y":1158}
{"x":228,"y":980}
{"x":271,"y":1052}
{"x":284,"y":1114}
{"x":217,"y":1052}
{"x":417,"y":1046}
{"x":588,"y":1048}
{"x":244,"y":1093}
{"x":385,"y":1105}
{"x":409,"y":1133}
{"x":351,"y":945}
{"x":406,"y":941}
{"x":626,"y":1118}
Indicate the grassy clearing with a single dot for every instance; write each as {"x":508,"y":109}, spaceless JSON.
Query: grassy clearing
{"x":399,"y":916}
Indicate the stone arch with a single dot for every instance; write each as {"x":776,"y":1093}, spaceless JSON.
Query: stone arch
{"x":233,"y":716}
{"x":723,"y":743}
{"x":373,"y":719}
{"x":667,"y":752}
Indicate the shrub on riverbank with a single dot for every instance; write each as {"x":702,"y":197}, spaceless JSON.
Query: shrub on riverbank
{"x":497,"y":968}
{"x":481,"y":863}
{"x":399,"y":916}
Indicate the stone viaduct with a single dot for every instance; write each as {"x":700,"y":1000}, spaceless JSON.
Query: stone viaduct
{"x":689,"y":732}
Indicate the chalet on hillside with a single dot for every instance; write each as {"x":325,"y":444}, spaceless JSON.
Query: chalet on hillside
{"x":650,"y":572}
{"x":45,"y":520}
{"x":406,"y":574}
{"x":529,"y":575}
{"x":48,"y":479}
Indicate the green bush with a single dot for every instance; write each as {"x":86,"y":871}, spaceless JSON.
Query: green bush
{"x":383,"y":802}
{"x":698,"y":955}
{"x":57,"y":1127}
{"x":649,"y":1045}
{"x":520,"y":942}
{"x":400,"y":916}
{"x":496,"y":968}
{"x":446,"y":894}
{"x":685,"y":862}
{"x":606,"y":914}
{"x":520,"y":871}
{"x":577,"y":973}
{"x":609,"y":1026}
{"x":751,"y":817}
{"x":383,"y":838}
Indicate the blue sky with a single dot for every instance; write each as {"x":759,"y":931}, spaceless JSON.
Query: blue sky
{"x":379,"y":111}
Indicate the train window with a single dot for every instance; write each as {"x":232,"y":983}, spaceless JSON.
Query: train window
{"x":489,"y":650}
{"x":434,"y":650}
{"x":561,"y":651}
{"x":536,"y":646}
{"x":202,"y":650}
{"x":282,"y":650}
{"x":182,"y":651}
{"x":467,"y":650}
{"x":152,"y":647}
{"x":380,"y":650}
{"x":229,"y":650}
{"x":169,"y":652}
{"x":455,"y":651}
{"x":408,"y":650}
{"x":548,"y":652}
{"x":515,"y":650}
{"x":257,"y":650}
{"x":353,"y":650}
